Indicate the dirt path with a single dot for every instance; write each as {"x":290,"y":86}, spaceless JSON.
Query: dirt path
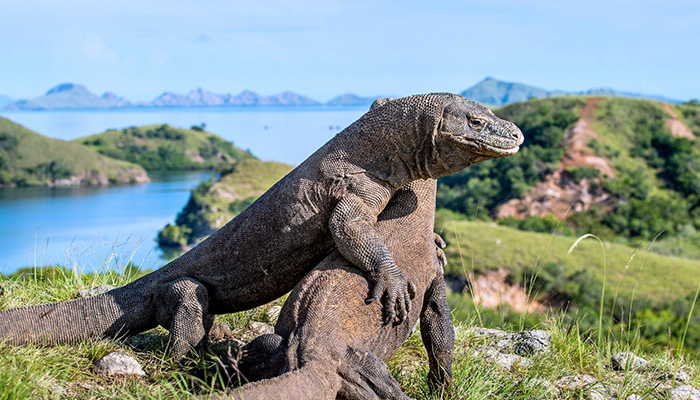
{"x":576,"y":142}
{"x":677,"y":128}
{"x":558,"y":194}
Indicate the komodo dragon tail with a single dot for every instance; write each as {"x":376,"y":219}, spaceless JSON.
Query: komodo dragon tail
{"x":118,"y":312}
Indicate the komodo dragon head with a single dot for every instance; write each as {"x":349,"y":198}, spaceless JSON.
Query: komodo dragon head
{"x":469,"y":133}
{"x":447,"y":132}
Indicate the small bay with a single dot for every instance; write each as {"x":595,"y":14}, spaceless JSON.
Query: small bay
{"x":93,"y":228}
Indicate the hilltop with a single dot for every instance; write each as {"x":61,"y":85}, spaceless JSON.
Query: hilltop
{"x":30,"y":159}
{"x":163,"y":147}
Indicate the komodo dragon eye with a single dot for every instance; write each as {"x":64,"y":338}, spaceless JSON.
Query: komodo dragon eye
{"x":477,"y":123}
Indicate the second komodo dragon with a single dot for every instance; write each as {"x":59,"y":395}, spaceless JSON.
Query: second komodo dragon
{"x":331,"y":200}
{"x":328,"y":343}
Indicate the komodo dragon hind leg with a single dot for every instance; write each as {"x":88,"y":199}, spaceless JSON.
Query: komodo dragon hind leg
{"x":182,"y":309}
{"x":366,"y":376}
{"x":263,"y":358}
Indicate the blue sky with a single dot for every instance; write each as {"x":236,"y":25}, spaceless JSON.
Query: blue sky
{"x":138,"y":48}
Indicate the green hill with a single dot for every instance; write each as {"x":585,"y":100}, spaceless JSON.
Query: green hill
{"x":30,"y":159}
{"x":162,"y":147}
{"x":623,"y":169}
{"x":212,"y":204}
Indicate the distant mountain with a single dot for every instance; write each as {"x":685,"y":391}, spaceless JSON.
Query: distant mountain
{"x":499,"y":93}
{"x":489,"y":91}
{"x":69,"y":95}
{"x":349,"y":99}
{"x":200,"y":97}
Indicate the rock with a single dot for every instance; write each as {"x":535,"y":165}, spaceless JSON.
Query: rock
{"x":505,"y":361}
{"x":634,"y":397}
{"x":522,"y":343}
{"x":261,"y":328}
{"x":685,"y":392}
{"x":219,"y":331}
{"x":272,"y":313}
{"x":531,"y":342}
{"x":86,"y":293}
{"x":678,"y":376}
{"x":117,"y":363}
{"x":575,"y":382}
{"x":487,"y":332}
{"x":627,"y":361}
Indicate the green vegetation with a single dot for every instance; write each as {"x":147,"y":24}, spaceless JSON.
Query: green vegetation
{"x":162,"y":147}
{"x":655,"y":188}
{"x":648,"y":289}
{"x":30,"y":159}
{"x":479,"y":189}
{"x":657,"y":182}
{"x":212,"y":204}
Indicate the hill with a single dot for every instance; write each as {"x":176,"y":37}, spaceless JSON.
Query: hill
{"x":212,"y":204}
{"x":69,"y":96}
{"x":162,"y":147}
{"x":623,"y":169}
{"x":30,"y":159}
{"x":495,"y":92}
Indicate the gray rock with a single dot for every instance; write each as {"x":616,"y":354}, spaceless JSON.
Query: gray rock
{"x":530,"y":342}
{"x":685,"y":392}
{"x":86,"y":293}
{"x":634,"y":397}
{"x":575,"y":382}
{"x":505,"y":361}
{"x":272,"y":313}
{"x":261,"y":328}
{"x":117,"y":363}
{"x":627,"y":361}
{"x":487,"y":332}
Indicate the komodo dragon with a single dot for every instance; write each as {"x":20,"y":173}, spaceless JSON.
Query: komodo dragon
{"x":328,"y":343}
{"x":331,"y":200}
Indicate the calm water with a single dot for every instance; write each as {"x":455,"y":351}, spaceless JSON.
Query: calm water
{"x":94,"y":227}
{"x":286,"y":134}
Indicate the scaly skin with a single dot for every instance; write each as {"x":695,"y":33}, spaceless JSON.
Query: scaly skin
{"x":331,"y":200}
{"x":328,"y":343}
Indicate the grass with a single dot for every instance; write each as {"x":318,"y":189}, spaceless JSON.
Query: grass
{"x":65,"y":371}
{"x":26,"y":161}
{"x":487,"y":246}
